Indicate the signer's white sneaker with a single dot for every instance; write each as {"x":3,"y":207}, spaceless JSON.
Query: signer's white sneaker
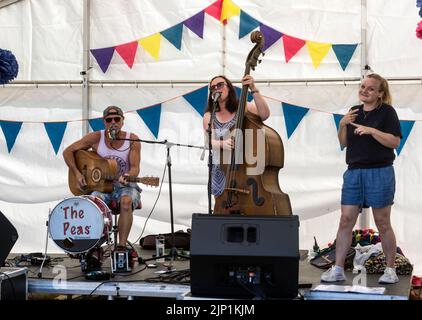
{"x":335,"y":273}
{"x":389,"y":276}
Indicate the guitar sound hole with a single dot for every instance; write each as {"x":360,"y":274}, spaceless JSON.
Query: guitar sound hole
{"x":96,"y":175}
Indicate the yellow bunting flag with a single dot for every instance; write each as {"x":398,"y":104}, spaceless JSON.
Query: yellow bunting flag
{"x":229,"y":10}
{"x":151,"y":44}
{"x":317,"y":51}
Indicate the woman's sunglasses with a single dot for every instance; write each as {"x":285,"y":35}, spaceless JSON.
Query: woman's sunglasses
{"x":116,"y":119}
{"x":217,"y":86}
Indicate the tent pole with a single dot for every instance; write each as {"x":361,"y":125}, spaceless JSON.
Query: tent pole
{"x":364,"y":216}
{"x":86,"y":108}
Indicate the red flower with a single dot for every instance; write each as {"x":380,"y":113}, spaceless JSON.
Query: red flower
{"x":419,"y":30}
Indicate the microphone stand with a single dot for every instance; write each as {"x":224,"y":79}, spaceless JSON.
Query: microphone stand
{"x":209,"y":131}
{"x":173,"y":251}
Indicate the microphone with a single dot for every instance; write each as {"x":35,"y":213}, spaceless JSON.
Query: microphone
{"x":215,"y":96}
{"x":112,"y":133}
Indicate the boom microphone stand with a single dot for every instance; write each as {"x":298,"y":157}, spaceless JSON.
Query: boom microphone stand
{"x":173,"y":251}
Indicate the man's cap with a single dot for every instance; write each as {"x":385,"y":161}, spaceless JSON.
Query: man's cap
{"x":112,"y":111}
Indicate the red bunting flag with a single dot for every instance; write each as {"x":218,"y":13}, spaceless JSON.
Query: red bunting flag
{"x":291,"y":46}
{"x":128,"y":52}
{"x":214,"y":10}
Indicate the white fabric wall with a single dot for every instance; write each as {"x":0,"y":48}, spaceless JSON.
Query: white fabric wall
{"x":46,"y":37}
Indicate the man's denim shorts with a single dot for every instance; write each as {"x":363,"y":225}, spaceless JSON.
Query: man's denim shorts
{"x":132,"y":190}
{"x":366,"y":188}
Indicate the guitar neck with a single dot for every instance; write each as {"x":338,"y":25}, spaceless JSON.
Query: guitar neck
{"x":129,"y":178}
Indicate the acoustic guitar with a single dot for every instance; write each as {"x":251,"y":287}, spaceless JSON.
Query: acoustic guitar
{"x":100,"y":173}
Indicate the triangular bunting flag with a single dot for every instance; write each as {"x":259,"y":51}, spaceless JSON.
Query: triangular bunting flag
{"x":317,"y":51}
{"x":271,"y":35}
{"x":151,"y":117}
{"x":247,"y":24}
{"x":337,"y":118}
{"x":103,"y":57}
{"x":239,"y":91}
{"x":174,"y":35}
{"x":196,"y":24}
{"x":128,"y":52}
{"x":96,"y":124}
{"x":406,"y":127}
{"x":55,"y":131}
{"x":198,"y":99}
{"x":229,"y":10}
{"x":291,"y":46}
{"x":151,"y":44}
{"x":344,"y":53}
{"x":10,"y":130}
{"x":292,"y":116}
{"x":214,"y":10}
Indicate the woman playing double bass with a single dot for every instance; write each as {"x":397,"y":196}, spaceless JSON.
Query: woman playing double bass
{"x":225,"y":119}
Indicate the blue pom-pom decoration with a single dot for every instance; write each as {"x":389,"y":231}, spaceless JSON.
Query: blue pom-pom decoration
{"x":8,"y":66}
{"x":419,"y":3}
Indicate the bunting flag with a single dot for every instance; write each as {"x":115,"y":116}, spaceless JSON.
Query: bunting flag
{"x":174,"y":35}
{"x":337,"y":118}
{"x":10,"y":130}
{"x":55,"y":131}
{"x":214,"y":10}
{"x":271,"y":36}
{"x":317,"y":51}
{"x":128,"y":52}
{"x":406,"y":127}
{"x":292,"y":116}
{"x":223,"y":10}
{"x":291,"y":46}
{"x":151,"y":44}
{"x":344,"y":53}
{"x":96,"y":124}
{"x":151,"y":117}
{"x":229,"y":10}
{"x":103,"y":57}
{"x":196,"y":24}
{"x":198,"y":99}
{"x":247,"y":24}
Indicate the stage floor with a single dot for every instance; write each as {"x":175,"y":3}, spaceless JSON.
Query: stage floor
{"x":63,"y":277}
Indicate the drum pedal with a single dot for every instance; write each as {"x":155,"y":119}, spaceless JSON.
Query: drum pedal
{"x":120,"y":261}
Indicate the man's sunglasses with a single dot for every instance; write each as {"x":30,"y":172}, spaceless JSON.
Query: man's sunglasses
{"x":116,"y":119}
{"x":217,"y":86}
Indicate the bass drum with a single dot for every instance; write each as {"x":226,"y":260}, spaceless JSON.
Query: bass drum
{"x":79,"y":224}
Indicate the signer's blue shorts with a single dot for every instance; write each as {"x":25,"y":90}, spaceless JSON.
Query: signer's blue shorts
{"x":374,"y":187}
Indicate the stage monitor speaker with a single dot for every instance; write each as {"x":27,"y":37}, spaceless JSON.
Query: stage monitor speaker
{"x":8,"y":237}
{"x":244,"y":256}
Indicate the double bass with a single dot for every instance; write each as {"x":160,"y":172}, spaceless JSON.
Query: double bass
{"x":252,"y":188}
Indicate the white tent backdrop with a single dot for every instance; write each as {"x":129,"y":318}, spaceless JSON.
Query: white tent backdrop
{"x":46,"y":37}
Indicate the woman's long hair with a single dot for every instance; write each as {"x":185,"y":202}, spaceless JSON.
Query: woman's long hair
{"x":232,"y":100}
{"x":384,"y":87}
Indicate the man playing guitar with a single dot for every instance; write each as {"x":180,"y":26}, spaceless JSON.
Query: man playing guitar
{"x":128,"y":157}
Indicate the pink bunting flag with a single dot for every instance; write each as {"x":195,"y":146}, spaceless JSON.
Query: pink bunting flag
{"x":128,"y":52}
{"x":214,"y":10}
{"x":291,"y":46}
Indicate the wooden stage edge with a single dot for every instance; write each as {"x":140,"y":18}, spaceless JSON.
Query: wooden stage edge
{"x":63,"y":277}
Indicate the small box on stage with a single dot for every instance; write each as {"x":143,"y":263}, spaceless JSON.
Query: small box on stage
{"x":13,"y":283}
{"x":244,"y":256}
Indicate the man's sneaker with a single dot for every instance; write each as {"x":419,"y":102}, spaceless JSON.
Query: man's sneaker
{"x":333,"y":274}
{"x":389,"y":276}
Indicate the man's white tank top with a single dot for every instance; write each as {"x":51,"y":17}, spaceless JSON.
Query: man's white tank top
{"x":121,"y":155}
